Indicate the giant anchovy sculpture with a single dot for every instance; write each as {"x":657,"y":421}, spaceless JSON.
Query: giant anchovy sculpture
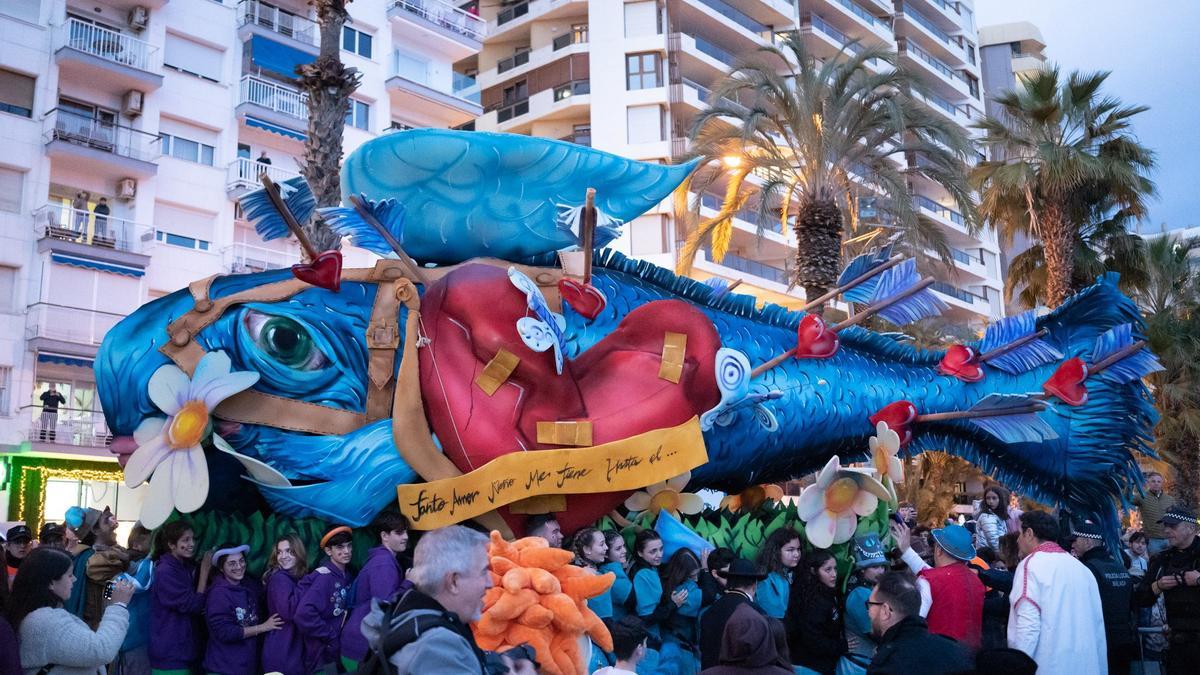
{"x":433,"y":364}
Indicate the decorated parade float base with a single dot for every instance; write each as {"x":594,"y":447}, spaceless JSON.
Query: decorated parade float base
{"x":498,"y":361}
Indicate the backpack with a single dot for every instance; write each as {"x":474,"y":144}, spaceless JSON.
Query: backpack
{"x":397,"y":634}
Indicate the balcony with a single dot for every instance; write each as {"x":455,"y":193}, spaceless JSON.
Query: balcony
{"x":514,"y":18}
{"x":514,"y":61}
{"x":959,"y":294}
{"x":60,"y":223}
{"x":450,"y":104}
{"x":106,"y":58}
{"x":946,"y":44}
{"x":567,"y":39}
{"x":72,"y":331}
{"x":260,"y":18}
{"x":583,"y":138}
{"x":734,"y":15}
{"x":461,"y":28}
{"x":512,"y":110}
{"x":751,"y":267}
{"x":274,"y":103}
{"x":946,"y":213}
{"x":243,"y":172}
{"x":83,"y":429}
{"x":100,"y":147}
{"x":862,"y":15}
{"x":244,"y":258}
{"x":945,"y":76}
{"x":747,"y":215}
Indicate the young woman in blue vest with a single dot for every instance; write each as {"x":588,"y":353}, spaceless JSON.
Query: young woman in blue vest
{"x":680,"y":650}
{"x":616,"y":560}
{"x":647,"y":600}
{"x":779,"y":556}
{"x":591,"y":551}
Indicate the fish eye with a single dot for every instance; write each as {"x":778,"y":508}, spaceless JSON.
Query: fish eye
{"x":284,"y":340}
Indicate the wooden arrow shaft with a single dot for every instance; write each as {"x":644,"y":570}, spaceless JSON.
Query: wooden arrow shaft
{"x":772,"y":363}
{"x":883,"y":304}
{"x":856,"y":281}
{"x":587,"y":233}
{"x":405,"y":259}
{"x":1015,"y":344}
{"x":1116,"y":356}
{"x":968,"y":414}
{"x":276,"y":198}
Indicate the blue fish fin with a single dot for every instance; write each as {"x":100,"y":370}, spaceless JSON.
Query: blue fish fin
{"x":267,"y":220}
{"x":1024,"y":358}
{"x":1133,"y":367}
{"x":348,"y":222}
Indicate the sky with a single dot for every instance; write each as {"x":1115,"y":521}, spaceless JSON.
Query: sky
{"x":1152,"y":51}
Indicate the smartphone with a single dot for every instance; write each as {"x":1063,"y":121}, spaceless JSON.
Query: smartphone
{"x":109,"y":588}
{"x":895,"y":518}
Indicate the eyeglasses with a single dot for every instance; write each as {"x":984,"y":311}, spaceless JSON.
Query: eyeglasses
{"x":873,"y":602}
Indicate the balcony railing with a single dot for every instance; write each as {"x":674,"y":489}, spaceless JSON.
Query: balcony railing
{"x":575,"y":88}
{"x":744,"y":214}
{"x":837,"y":35}
{"x":281,"y":99}
{"x":579,"y":138}
{"x":77,"y":325}
{"x":80,"y":129}
{"x":929,"y":25}
{"x":567,"y":39}
{"x":964,"y":257}
{"x":710,"y":48}
{"x":955,"y":292}
{"x":58,"y":221}
{"x":518,"y":59}
{"x":110,"y":45}
{"x":243,"y":172}
{"x":761,"y":270}
{"x":287,"y":24}
{"x":861,"y":12}
{"x":514,"y":109}
{"x":68,"y":426}
{"x":447,"y":16}
{"x":936,"y":63}
{"x":923,"y":202}
{"x":515,"y":12}
{"x":466,"y":88}
{"x":737,"y":16}
{"x":247,"y":259}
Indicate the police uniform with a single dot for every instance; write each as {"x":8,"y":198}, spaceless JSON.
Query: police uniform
{"x":1116,"y":598}
{"x":1182,"y":602}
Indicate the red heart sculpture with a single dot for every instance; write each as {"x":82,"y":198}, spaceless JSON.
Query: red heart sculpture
{"x":324,"y":272}
{"x":471,"y":314}
{"x":899,"y":416}
{"x":585,"y":299}
{"x":1067,"y":382}
{"x":962,"y":362}
{"x":814,"y":339}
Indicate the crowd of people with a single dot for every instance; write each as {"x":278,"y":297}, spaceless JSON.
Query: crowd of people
{"x":1014,"y":593}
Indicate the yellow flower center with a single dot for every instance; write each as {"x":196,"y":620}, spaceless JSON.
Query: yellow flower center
{"x":839,"y":496}
{"x":666,"y":499}
{"x":188,"y":427}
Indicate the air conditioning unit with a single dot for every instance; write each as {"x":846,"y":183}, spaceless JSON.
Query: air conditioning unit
{"x":132,"y":104}
{"x":126,"y":188}
{"x":138,"y":18}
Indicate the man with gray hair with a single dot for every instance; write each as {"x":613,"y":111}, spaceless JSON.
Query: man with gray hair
{"x":425,"y":630}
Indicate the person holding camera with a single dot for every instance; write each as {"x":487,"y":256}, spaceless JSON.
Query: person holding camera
{"x":54,"y":640}
{"x":1175,"y":575}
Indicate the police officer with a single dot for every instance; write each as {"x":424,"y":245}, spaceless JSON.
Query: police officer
{"x":1175,"y":575}
{"x":1116,"y":593}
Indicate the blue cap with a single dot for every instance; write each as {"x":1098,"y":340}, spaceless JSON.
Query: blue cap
{"x":956,"y":541}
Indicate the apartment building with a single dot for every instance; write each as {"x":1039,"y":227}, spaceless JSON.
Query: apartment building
{"x":129,"y":127}
{"x":629,"y":76}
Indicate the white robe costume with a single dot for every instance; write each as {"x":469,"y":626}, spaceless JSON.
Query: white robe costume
{"x":1056,"y":616}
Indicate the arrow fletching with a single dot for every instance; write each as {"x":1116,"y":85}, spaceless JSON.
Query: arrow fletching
{"x":268,"y":222}
{"x":1138,"y":364}
{"x":348,"y":222}
{"x":1012,"y":418}
{"x":915,"y":307}
{"x":1023,"y":358}
{"x":860,"y":265}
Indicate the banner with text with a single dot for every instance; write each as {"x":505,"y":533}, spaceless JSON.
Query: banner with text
{"x":628,"y":464}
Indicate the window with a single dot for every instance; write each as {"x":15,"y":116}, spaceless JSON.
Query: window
{"x":972,"y":84}
{"x":644,"y":123}
{"x":579,"y":33}
{"x":8,"y":289}
{"x":356,"y":41}
{"x":16,"y":93}
{"x":193,"y":58}
{"x":1016,"y":48}
{"x":358,"y":115}
{"x":12,"y":185}
{"x":191,"y":151}
{"x":643,"y":71}
{"x":970,"y":52}
{"x":411,"y":67}
{"x":642,"y":18}
{"x":180,"y":240}
{"x":5,"y":390}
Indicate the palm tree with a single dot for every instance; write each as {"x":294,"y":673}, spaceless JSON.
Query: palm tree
{"x":329,"y":84}
{"x":1169,"y":299}
{"x":804,"y":129}
{"x":1054,"y":145}
{"x":1101,"y":246}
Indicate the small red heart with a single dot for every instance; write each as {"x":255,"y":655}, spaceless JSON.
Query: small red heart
{"x":1067,"y":382}
{"x":324,"y":272}
{"x":899,"y":416}
{"x":962,"y":362}
{"x":585,"y":299}
{"x":814,"y":339}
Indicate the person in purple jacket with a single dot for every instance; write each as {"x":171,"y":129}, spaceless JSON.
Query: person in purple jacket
{"x":177,"y":601}
{"x":283,"y":651}
{"x":380,"y":577}
{"x":321,"y":608}
{"x":232,"y":610}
